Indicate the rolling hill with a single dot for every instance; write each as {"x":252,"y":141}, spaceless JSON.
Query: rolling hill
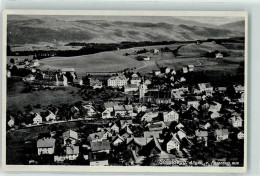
{"x":32,"y":30}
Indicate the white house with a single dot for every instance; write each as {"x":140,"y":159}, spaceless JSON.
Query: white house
{"x":190,"y":68}
{"x":156,"y":51}
{"x":170,"y":116}
{"x":236,"y":121}
{"x":50,"y":117}
{"x":70,"y":137}
{"x":157,"y":72}
{"x":46,"y":146}
{"x":117,"y":81}
{"x":72,"y":153}
{"x":147,"y":58}
{"x":240,"y":135}
{"x":106,"y":114}
{"x":205,"y":87}
{"x":194,"y":104}
{"x":11,"y":122}
{"x":221,"y":134}
{"x":174,"y":143}
{"x":219,"y":56}
{"x":149,"y":116}
{"x":37,"y":118}
{"x":185,"y":70}
{"x":136,"y":81}
{"x":8,"y":73}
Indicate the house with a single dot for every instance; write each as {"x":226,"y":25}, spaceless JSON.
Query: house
{"x":152,"y":134}
{"x":115,"y":128}
{"x":124,"y":123}
{"x":130,"y":88}
{"x":138,"y":143}
{"x":35,"y":63}
{"x":106,"y":114}
{"x":184,"y":70}
{"x":236,"y":121}
{"x":139,"y":108}
{"x":129,"y":110}
{"x":98,"y":159}
{"x":240,"y":135}
{"x":147,"y":82}
{"x":50,"y":117}
{"x":157,"y":72}
{"x":219,"y":56}
{"x":205,"y":87}
{"x":110,"y":106}
{"x":165,"y":70}
{"x":222,"y":89}
{"x":72,"y":153}
{"x":190,"y":68}
{"x":149,"y":116}
{"x":29,"y":77}
{"x":202,"y":136}
{"x":170,"y":116}
{"x":221,"y":134}
{"x":182,"y":79}
{"x":11,"y":122}
{"x":173,"y":72}
{"x":174,"y":143}
{"x":117,"y":81}
{"x":70,"y":137}
{"x":136,"y":81}
{"x":146,"y":58}
{"x":8,"y":73}
{"x":119,"y":110}
{"x":100,"y":146}
{"x":65,"y":70}
{"x":61,"y":80}
{"x":239,"y":89}
{"x":88,"y":110}
{"x":156,"y":126}
{"x":205,"y":126}
{"x":156,"y":51}
{"x":156,"y":96}
{"x":118,"y":140}
{"x":194,"y":104}
{"x":46,"y":146}
{"x":99,"y":136}
{"x":37,"y":118}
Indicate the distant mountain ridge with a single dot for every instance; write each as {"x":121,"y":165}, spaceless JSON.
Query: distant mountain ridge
{"x":31,"y":30}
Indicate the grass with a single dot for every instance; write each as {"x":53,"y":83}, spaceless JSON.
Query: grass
{"x":100,"y":62}
{"x":17,"y":100}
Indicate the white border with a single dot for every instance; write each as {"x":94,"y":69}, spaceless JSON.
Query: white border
{"x":117,"y":169}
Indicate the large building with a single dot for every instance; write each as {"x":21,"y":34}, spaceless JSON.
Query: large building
{"x":117,"y":81}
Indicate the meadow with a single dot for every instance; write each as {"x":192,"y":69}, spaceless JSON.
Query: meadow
{"x":100,"y":62}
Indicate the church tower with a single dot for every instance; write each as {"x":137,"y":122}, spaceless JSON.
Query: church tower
{"x":142,"y":91}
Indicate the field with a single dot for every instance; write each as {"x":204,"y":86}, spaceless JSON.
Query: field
{"x":17,"y":100}
{"x":114,"y":61}
{"x":101,"y":62}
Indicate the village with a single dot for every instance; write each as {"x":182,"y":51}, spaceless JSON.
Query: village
{"x":132,"y":119}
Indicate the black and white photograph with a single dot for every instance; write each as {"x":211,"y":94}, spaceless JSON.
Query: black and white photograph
{"x":164,"y":91}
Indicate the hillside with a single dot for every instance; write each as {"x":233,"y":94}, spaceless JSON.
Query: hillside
{"x":32,"y":30}
{"x":236,"y":26}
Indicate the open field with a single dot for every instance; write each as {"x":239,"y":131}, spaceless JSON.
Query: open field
{"x":113,"y":61}
{"x":101,"y":62}
{"x":17,"y":100}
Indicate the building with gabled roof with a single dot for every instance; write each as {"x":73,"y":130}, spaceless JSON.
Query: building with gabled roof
{"x":70,"y":137}
{"x":221,"y":134}
{"x":100,"y":146}
{"x":46,"y":146}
